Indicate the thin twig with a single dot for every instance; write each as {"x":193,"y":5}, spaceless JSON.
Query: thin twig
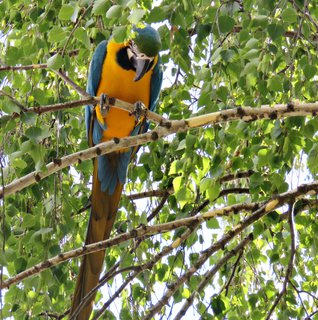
{"x":76,"y":26}
{"x":206,"y":278}
{"x":158,"y":208}
{"x":234,"y":176}
{"x":16,"y":102}
{"x":227,"y":286}
{"x":75,"y":86}
{"x":150,"y":193}
{"x":305,"y":13}
{"x":290,"y":266}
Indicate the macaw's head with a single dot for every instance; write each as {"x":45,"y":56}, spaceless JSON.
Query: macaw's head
{"x":143,"y":49}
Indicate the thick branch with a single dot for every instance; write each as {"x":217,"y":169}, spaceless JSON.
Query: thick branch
{"x":88,"y":100}
{"x":168,"y":128}
{"x":135,"y":233}
{"x":275,"y":202}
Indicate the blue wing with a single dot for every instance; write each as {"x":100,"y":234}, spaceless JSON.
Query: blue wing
{"x":156,"y":82}
{"x":94,"y":130}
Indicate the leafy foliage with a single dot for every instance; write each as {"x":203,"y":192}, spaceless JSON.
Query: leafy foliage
{"x":216,"y":56}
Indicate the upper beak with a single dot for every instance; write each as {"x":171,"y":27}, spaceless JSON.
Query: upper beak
{"x":141,"y":68}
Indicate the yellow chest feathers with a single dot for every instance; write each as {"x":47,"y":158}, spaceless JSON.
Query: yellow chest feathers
{"x":119,"y":83}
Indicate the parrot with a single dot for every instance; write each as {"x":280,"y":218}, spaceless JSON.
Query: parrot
{"x":130,"y":71}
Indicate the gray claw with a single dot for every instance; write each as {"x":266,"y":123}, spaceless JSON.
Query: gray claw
{"x":140,"y":111}
{"x":104,"y":104}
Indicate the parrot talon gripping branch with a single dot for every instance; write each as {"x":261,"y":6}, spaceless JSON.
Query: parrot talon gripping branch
{"x":139,"y":112}
{"x":129,"y":71}
{"x":104,"y":104}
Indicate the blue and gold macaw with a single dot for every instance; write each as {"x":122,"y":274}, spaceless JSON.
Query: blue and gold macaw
{"x":131,"y":72}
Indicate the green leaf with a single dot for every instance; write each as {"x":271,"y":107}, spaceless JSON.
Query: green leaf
{"x":190,"y":141}
{"x":217,"y":305}
{"x":66,"y":12}
{"x":3,"y":259}
{"x":213,"y":224}
{"x":182,"y":145}
{"x":55,"y":62}
{"x":137,"y":291}
{"x":177,"y":183}
{"x":225,"y":24}
{"x":37,"y":134}
{"x":100,"y":7}
{"x":82,"y":36}
{"x":136,"y":15}
{"x":205,"y":184}
{"x":120,"y":33}
{"x":275,"y":84}
{"x":275,"y":31}
{"x":28,"y":221}
{"x":158,"y":14}
{"x":125,"y":314}
{"x":114,"y":11}
{"x":309,"y":71}
{"x":56,"y":34}
{"x":40,"y":232}
{"x":260,"y":21}
{"x":19,"y":163}
{"x":289,"y":15}
{"x":214,"y":191}
{"x":313,"y":158}
{"x":20,"y":264}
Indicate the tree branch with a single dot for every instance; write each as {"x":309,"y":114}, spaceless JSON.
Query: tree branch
{"x":133,"y":234}
{"x":75,"y":86}
{"x":28,"y":67}
{"x":148,"y":266}
{"x":165,"y":129}
{"x":211,"y":273}
{"x":16,"y":102}
{"x":290,"y":266}
{"x":227,"y":286}
{"x":258,"y":214}
{"x":115,"y":103}
{"x":150,"y":193}
{"x":305,"y":13}
{"x":112,"y":272}
{"x":235,"y":176}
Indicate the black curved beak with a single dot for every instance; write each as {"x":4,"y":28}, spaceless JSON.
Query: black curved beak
{"x":141,"y":68}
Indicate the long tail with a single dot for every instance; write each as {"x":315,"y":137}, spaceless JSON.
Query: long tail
{"x":102,"y":217}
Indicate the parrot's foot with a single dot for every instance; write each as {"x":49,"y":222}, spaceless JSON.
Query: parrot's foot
{"x":139,"y":112}
{"x":104,"y":104}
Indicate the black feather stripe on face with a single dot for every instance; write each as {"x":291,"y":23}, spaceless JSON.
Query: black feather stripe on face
{"x":123,"y":60}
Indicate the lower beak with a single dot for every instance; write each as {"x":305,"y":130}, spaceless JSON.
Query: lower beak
{"x":141,"y":68}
